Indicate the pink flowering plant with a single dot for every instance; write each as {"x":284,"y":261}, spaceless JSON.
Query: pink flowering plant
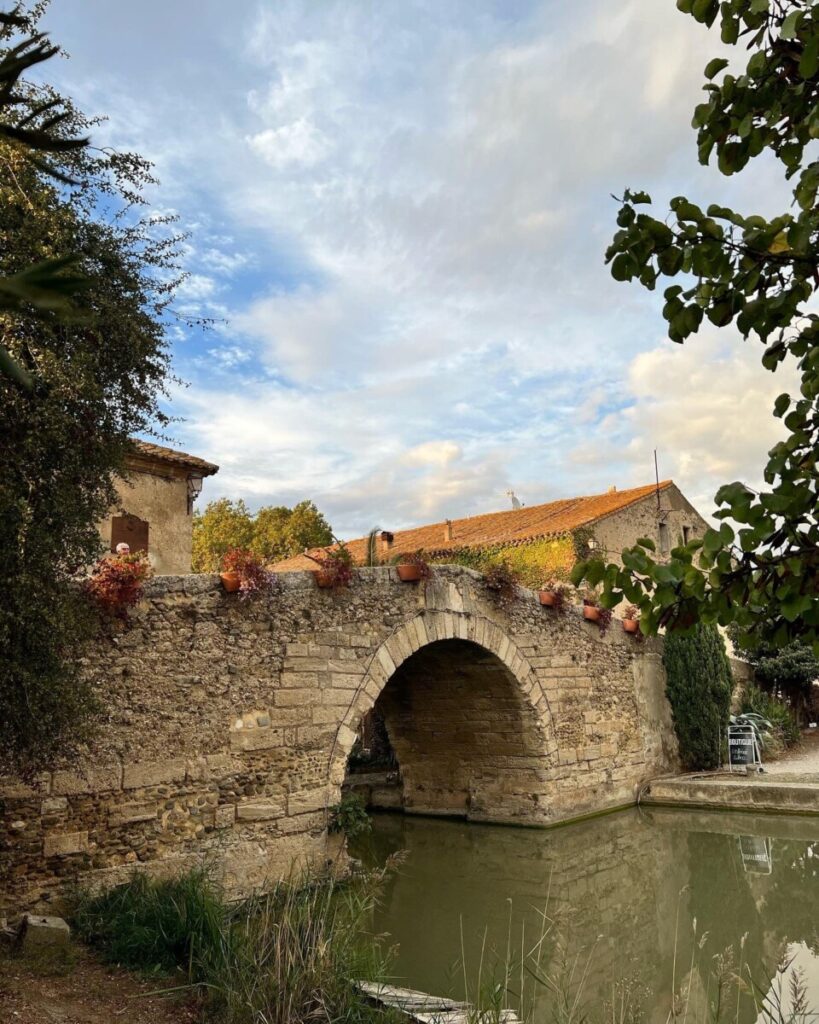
{"x":115,"y":583}
{"x":254,"y":576}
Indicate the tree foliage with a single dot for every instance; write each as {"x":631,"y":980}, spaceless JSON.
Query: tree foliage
{"x":97,"y":381}
{"x":786,"y":672}
{"x":274,"y":533}
{"x":759,"y":275}
{"x":699,"y":686}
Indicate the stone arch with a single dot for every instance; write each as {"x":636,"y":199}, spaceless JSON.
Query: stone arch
{"x":418,"y":634}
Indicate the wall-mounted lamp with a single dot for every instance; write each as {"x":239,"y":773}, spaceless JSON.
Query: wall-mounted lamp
{"x":194,"y":490}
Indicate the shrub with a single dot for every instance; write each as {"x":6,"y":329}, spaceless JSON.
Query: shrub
{"x":776,"y":711}
{"x":115,"y":584}
{"x":350,"y":817}
{"x":254,"y":577}
{"x":698,"y":685}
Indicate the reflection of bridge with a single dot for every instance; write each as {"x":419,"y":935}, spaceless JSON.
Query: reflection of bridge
{"x":229,"y":724}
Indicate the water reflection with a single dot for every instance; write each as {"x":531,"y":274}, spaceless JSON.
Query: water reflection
{"x":645,"y":897}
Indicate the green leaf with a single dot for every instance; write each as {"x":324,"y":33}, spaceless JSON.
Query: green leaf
{"x":790,"y":26}
{"x":713,"y":67}
{"x":809,"y":61}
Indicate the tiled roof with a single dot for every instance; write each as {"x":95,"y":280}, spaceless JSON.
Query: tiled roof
{"x":513,"y":526}
{"x":160,"y":453}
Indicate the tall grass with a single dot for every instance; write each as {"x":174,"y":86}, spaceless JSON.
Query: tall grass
{"x":545,"y":981}
{"x":289,"y":956}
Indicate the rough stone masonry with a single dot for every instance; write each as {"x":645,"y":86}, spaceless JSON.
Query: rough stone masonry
{"x":228,"y":725}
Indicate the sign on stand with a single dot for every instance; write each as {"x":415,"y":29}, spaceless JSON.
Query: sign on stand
{"x":743,"y":747}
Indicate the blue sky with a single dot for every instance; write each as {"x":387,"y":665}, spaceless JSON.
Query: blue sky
{"x":398,"y":213}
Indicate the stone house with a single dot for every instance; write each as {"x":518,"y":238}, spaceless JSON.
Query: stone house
{"x":547,"y":539}
{"x":155,"y":511}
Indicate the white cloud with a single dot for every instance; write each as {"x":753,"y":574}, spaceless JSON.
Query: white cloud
{"x":706,"y":407}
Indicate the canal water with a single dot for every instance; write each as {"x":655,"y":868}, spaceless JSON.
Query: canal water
{"x":645,"y":908}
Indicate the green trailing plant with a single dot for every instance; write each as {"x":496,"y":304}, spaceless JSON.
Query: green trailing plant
{"x":699,"y":687}
{"x":757,"y":274}
{"x":349,"y":817}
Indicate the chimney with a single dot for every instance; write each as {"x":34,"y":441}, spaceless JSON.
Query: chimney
{"x":385,"y":539}
{"x":447,"y":530}
{"x":613,"y":489}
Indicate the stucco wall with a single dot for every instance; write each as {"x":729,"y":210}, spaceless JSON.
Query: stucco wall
{"x":642,"y":519}
{"x":163,"y":502}
{"x":228,"y":725}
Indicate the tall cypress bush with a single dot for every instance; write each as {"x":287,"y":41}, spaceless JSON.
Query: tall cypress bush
{"x":698,"y":685}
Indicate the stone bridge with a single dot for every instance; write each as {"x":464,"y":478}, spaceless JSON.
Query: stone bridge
{"x":228,"y":725}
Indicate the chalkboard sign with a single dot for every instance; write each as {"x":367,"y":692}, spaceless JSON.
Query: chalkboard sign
{"x":756,"y":854}
{"x":743,"y":749}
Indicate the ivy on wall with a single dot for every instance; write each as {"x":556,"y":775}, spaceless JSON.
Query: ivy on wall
{"x":532,"y":563}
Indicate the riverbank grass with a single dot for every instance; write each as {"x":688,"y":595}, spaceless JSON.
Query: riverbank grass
{"x":289,"y":956}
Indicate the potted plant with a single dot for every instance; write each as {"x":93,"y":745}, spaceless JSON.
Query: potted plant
{"x":594,"y":612}
{"x":631,"y":622}
{"x":116,"y":581}
{"x":335,"y":569}
{"x":502,"y":584}
{"x":412,"y":568}
{"x":245,"y":573}
{"x":553,"y":595}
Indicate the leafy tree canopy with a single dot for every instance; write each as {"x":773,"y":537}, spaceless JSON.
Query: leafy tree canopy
{"x":789,"y":672}
{"x":274,"y":533}
{"x":760,"y":568}
{"x":96,"y":380}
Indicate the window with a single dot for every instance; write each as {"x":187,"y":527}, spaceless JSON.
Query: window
{"x":130,"y":530}
{"x":686,"y":534}
{"x":664,"y":538}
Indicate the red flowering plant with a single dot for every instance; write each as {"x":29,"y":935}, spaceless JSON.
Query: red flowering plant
{"x":115,"y":583}
{"x":335,"y":568}
{"x":254,"y":576}
{"x":422,"y":568}
{"x":502,"y":584}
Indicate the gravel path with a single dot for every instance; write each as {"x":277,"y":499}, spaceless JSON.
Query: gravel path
{"x":801,"y":765}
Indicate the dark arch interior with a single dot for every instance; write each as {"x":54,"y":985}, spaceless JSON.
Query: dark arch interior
{"x":451,"y":734}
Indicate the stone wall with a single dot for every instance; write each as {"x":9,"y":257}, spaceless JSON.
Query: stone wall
{"x":642,"y":519}
{"x":228,"y":725}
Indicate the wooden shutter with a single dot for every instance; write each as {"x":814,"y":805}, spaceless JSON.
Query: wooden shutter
{"x":130,"y":530}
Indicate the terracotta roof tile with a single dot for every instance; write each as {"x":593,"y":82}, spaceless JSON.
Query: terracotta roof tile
{"x":512,"y":526}
{"x":162,"y":454}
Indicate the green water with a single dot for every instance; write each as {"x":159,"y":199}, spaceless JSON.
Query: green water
{"x":642,"y":899}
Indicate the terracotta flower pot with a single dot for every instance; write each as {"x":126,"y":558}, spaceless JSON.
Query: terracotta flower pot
{"x":231,"y":581}
{"x":409,"y":572}
{"x":591,"y":612}
{"x":631,"y":625}
{"x":323,"y":578}
{"x":548,"y":598}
